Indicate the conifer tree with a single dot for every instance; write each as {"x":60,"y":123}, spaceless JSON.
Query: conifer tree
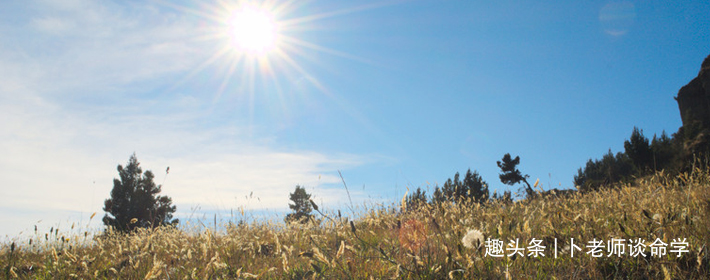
{"x":135,"y":202}
{"x":664,"y":151}
{"x":474,"y":187}
{"x":639,"y":151}
{"x":604,"y":172}
{"x":301,"y":206}
{"x":449,"y":188}
{"x":437,"y":196}
{"x":416,"y":199}
{"x":511,"y":175}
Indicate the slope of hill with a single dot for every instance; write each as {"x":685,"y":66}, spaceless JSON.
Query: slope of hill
{"x":657,"y":228}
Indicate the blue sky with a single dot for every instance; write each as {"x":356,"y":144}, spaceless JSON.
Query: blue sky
{"x":396,"y":95}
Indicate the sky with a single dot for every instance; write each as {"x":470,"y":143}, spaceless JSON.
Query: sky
{"x":393,"y":94}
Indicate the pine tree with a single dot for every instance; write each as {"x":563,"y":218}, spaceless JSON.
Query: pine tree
{"x":507,"y":197}
{"x":639,"y":151}
{"x":474,"y":187}
{"x":605,"y":172}
{"x":449,"y":188}
{"x":664,"y":151}
{"x":511,"y":175}
{"x":301,"y":206}
{"x":416,"y":199}
{"x":135,"y":202}
{"x":471,"y":188}
{"x":438,"y":196}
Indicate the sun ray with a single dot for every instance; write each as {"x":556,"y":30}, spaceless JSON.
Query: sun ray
{"x":201,"y":67}
{"x":303,"y":72}
{"x":269,"y":76}
{"x":196,"y":12}
{"x":297,"y":42}
{"x":225,"y":80}
{"x":271,"y":60}
{"x":341,"y":12}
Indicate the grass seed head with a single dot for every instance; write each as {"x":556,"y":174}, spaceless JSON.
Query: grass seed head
{"x":473,"y":239}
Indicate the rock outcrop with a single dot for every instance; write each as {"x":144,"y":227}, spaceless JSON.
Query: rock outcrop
{"x":694,"y":105}
{"x":694,"y":98}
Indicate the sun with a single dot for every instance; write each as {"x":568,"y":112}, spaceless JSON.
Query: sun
{"x":260,"y":48}
{"x":253,"y":30}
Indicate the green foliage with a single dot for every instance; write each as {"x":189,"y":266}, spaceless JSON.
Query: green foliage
{"x":301,"y":206}
{"x":610,"y":169}
{"x":664,"y":151}
{"x":438,"y":196}
{"x":638,"y":159}
{"x":474,"y":187}
{"x":511,"y":175}
{"x":506,"y":198}
{"x":471,"y":188}
{"x":448,"y":190}
{"x":134,"y":201}
{"x":416,"y":199}
{"x":639,"y":151}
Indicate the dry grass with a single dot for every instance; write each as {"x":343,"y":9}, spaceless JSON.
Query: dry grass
{"x":386,"y":243}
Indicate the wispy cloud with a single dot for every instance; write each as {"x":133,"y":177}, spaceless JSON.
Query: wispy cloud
{"x":75,"y":91}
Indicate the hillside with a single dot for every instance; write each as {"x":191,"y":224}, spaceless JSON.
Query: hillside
{"x":669,"y":214}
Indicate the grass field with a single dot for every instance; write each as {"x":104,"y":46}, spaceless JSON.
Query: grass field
{"x":453,"y":241}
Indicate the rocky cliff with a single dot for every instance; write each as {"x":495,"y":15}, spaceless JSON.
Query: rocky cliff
{"x":694,"y":105}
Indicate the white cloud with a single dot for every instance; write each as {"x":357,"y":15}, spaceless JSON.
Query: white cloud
{"x":92,"y":47}
{"x":56,"y":160}
{"x":71,"y":117}
{"x":53,"y":25}
{"x":64,"y":5}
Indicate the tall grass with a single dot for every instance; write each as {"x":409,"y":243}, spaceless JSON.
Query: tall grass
{"x":388,"y":242}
